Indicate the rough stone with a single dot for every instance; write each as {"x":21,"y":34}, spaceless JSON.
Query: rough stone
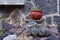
{"x":49,"y":19}
{"x":0,"y":24}
{"x":44,"y":38}
{"x":40,"y":21}
{"x":36,"y":30}
{"x":56,"y":19}
{"x":24,"y":38}
{"x":27,"y":8}
{"x":47,"y":4}
{"x":16,"y":2}
{"x":47,"y":33}
{"x":10,"y":37}
{"x":53,"y":37}
{"x":37,"y":38}
{"x":54,"y":30}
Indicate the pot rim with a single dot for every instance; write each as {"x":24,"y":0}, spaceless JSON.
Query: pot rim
{"x":36,"y":10}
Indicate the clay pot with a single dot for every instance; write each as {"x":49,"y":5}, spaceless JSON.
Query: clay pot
{"x":36,"y":14}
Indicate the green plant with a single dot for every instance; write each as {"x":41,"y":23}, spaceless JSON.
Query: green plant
{"x":36,"y":13}
{"x":2,"y":33}
{"x":0,"y":17}
{"x":35,"y":8}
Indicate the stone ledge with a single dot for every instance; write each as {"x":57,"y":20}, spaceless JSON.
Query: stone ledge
{"x":12,"y":2}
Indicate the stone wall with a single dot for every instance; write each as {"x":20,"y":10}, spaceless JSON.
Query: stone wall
{"x":47,"y":6}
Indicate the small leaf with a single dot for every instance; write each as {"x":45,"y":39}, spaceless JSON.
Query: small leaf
{"x":36,"y":8}
{"x":0,"y":17}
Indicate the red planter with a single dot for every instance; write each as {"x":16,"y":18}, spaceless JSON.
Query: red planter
{"x":36,"y":14}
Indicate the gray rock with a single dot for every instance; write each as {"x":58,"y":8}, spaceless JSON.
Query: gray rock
{"x":47,"y":33}
{"x":56,"y":19}
{"x":7,"y":26}
{"x":10,"y":37}
{"x":24,"y":38}
{"x":27,"y":8}
{"x":47,"y":4}
{"x":37,"y":38}
{"x":53,"y":37}
{"x":0,"y":24}
{"x":11,"y":2}
{"x":30,"y":38}
{"x":54,"y":31}
{"x":28,"y":0}
{"x":39,"y":21}
{"x":12,"y":30}
{"x":44,"y":38}
{"x":35,"y":30}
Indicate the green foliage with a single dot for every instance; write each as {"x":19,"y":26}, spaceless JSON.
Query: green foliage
{"x":0,"y":17}
{"x":35,"y":8}
{"x":2,"y":32}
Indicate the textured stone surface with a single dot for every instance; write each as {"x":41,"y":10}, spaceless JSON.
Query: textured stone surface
{"x":53,"y":37}
{"x":10,"y":37}
{"x":44,"y":38}
{"x":11,"y":2}
{"x":27,"y":8}
{"x":57,"y":20}
{"x":0,"y":24}
{"x":38,"y":31}
{"x":48,"y":6}
{"x":48,"y":19}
